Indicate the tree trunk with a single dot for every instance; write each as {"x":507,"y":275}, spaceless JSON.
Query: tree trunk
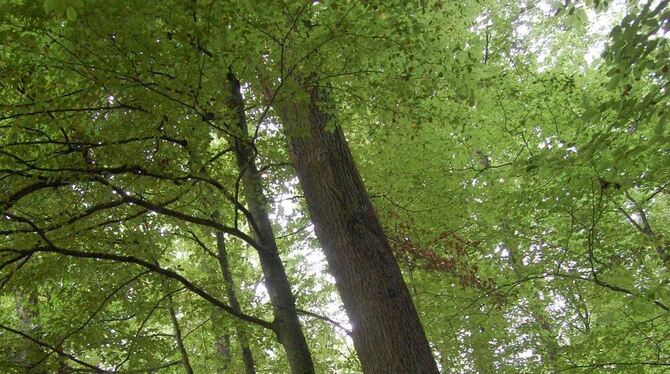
{"x":387,"y":333}
{"x":223,"y":357}
{"x":30,"y":356}
{"x":286,"y":323}
{"x":61,"y":362}
{"x":222,"y":254}
{"x":179,"y":340}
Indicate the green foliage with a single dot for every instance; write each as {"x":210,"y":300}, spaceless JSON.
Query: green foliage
{"x":66,"y":8}
{"x":524,"y":189}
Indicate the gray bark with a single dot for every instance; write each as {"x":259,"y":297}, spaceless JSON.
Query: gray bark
{"x":286,"y":323}
{"x":222,"y":254}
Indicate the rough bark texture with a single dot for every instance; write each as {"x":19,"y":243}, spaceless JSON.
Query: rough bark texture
{"x":286,"y":323}
{"x":387,"y":333}
{"x":222,"y":254}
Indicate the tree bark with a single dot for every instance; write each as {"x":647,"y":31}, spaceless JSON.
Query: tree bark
{"x":286,"y":322}
{"x":179,"y":340}
{"x":222,"y":254}
{"x":387,"y":333}
{"x":30,"y":356}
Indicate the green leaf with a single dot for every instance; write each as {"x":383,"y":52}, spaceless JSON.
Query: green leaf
{"x":71,"y":13}
{"x":49,"y":6}
{"x":60,"y":6}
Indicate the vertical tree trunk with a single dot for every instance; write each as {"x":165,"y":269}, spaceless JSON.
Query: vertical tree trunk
{"x":247,"y":356}
{"x":183,"y":353}
{"x":287,"y":326}
{"x":223,"y":356}
{"x":387,"y":333}
{"x":61,"y":362}
{"x":30,"y":356}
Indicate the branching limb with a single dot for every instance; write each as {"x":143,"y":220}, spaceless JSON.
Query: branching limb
{"x":151,"y":267}
{"x":53,"y":349}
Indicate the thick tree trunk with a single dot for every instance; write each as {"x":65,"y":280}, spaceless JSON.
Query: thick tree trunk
{"x":387,"y":333}
{"x":287,"y":326}
{"x":222,"y":254}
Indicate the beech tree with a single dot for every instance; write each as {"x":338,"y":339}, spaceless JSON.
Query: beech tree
{"x":334,"y":186}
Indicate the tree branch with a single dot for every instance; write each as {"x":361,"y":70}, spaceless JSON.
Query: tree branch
{"x":53,"y":349}
{"x":149,"y":266}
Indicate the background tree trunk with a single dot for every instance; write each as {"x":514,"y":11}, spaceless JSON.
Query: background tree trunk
{"x":222,"y":254}
{"x":178,"y":338}
{"x":30,"y":355}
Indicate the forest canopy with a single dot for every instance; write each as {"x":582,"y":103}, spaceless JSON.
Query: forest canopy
{"x":383,"y":186}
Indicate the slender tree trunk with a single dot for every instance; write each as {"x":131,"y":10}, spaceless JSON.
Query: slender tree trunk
{"x":61,"y":362}
{"x":222,"y":345}
{"x":222,"y":336}
{"x":387,"y":333}
{"x":286,"y":322}
{"x":222,"y":254}
{"x":31,"y":356}
{"x":186,"y":363}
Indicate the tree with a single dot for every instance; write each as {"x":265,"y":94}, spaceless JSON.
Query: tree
{"x":286,"y":320}
{"x":519,"y":180}
{"x":386,"y":329}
